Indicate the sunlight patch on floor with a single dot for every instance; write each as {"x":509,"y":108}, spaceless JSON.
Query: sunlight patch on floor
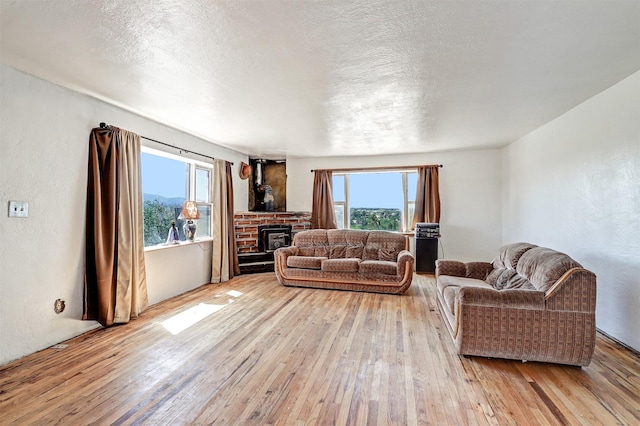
{"x":191,"y":316}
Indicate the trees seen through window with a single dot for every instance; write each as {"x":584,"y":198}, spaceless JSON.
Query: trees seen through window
{"x":375,"y":200}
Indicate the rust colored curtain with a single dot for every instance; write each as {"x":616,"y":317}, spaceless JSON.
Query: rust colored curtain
{"x":427,"y":196}
{"x":323,"y":215}
{"x":224,"y":264}
{"x":115,"y":285}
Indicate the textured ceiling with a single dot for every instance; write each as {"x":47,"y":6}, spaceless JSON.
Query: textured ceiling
{"x":323,"y":78}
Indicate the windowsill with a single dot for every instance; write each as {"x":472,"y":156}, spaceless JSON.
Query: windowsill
{"x":182,"y":244}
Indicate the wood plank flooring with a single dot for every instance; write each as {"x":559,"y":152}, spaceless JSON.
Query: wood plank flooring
{"x":268,"y":354}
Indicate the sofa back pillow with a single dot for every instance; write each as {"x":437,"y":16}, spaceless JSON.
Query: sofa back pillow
{"x":509,"y":255}
{"x":505,"y":263}
{"x":543,"y":266}
{"x":384,"y":245}
{"x":337,"y":243}
{"x":312,"y":242}
{"x":356,"y":241}
{"x":346,"y":243}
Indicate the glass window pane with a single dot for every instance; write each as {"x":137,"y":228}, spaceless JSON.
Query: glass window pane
{"x":376,"y":201}
{"x":412,"y":185}
{"x":202,"y":185}
{"x":338,"y":188}
{"x":339,"y":209}
{"x":164,"y":191}
{"x":204,"y":223}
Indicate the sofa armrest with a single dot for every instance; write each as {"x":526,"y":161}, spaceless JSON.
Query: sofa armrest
{"x":285,"y":252}
{"x":514,"y":299}
{"x":574,"y":291}
{"x":478,"y":270}
{"x":280,"y":260}
{"x":450,"y":267}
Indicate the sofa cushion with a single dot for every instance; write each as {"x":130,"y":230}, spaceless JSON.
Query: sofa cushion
{"x":378,"y":267}
{"x":337,"y":236}
{"x":505,"y":263}
{"x":313,"y":242}
{"x":509,"y":255}
{"x":355,"y":251}
{"x":337,"y":243}
{"x":384,"y":245}
{"x":356,"y":241}
{"x":373,"y":253}
{"x":305,"y":262}
{"x":543,"y":266}
{"x":448,"y":286}
{"x":508,"y":279}
{"x":337,"y":251}
{"x":340,"y":265}
{"x":492,"y":278}
{"x":346,"y":243}
{"x":518,"y":282}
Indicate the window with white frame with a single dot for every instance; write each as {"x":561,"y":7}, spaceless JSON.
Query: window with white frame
{"x":167,"y":182}
{"x":375,"y":200}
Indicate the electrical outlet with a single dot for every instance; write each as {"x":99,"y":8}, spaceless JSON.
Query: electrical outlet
{"x":18,"y":209}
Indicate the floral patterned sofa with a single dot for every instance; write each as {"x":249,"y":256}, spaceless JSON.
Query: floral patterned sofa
{"x":346,"y":259}
{"x":531,"y":303}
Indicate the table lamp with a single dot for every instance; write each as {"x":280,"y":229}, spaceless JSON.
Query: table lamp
{"x":189,"y":212}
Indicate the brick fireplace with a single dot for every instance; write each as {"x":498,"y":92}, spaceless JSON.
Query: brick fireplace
{"x":246,"y":226}
{"x":250,"y":228}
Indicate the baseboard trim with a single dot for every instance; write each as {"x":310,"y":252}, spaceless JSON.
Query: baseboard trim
{"x":624,"y":345}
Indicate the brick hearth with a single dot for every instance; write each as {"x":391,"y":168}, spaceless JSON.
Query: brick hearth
{"x":246,"y":225}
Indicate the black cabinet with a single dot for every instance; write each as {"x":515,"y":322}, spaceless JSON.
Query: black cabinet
{"x":426,"y":243}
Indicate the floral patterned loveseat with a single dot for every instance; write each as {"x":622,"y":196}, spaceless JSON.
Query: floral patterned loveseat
{"x":346,"y":259}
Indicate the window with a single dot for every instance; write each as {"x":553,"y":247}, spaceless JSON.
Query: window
{"x":340,"y":199}
{"x":375,"y":200}
{"x":167,"y":182}
{"x":203,"y":177}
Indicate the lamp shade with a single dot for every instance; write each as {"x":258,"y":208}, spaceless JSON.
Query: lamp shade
{"x":189,"y":211}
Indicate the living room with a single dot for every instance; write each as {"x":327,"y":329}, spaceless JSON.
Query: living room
{"x":570,"y":183}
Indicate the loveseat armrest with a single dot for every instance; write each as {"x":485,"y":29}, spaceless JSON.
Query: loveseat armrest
{"x":453,"y":268}
{"x":405,"y":257}
{"x":512,"y":299}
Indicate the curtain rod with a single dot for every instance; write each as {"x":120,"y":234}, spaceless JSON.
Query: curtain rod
{"x":108,"y":127}
{"x":366,"y":169}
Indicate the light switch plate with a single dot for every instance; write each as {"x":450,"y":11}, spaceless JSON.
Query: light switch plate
{"x":18,"y":209}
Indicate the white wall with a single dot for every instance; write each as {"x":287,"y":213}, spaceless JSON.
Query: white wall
{"x":470,"y":194}
{"x":571,"y":185}
{"x":44,"y":135}
{"x":574,"y":185}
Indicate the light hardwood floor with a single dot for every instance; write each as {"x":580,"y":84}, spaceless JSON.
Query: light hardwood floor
{"x":268,"y":354}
